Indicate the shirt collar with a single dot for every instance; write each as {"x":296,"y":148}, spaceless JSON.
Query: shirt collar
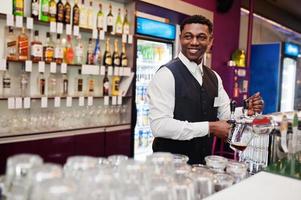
{"x":191,"y":66}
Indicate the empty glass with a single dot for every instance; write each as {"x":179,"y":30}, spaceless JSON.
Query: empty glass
{"x":238,"y":170}
{"x":203,"y":181}
{"x":75,"y":166}
{"x":216,"y":163}
{"x":222,"y":181}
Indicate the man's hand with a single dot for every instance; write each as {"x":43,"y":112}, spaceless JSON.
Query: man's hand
{"x":256,"y":104}
{"x":219,"y":128}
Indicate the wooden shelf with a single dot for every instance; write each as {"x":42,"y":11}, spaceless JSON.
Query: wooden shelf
{"x":73,"y":97}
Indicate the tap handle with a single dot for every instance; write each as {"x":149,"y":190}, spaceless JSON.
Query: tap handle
{"x":232,"y":106}
{"x":245,"y":104}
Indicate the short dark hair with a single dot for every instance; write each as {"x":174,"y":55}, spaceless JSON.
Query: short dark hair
{"x":197,"y":19}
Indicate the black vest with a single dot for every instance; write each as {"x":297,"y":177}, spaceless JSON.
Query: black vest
{"x":193,"y":103}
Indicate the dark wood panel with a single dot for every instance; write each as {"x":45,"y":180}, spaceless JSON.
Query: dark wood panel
{"x":90,"y":144}
{"x":118,"y":142}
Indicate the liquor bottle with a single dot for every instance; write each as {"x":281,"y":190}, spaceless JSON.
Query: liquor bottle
{"x":116,"y":57}
{"x":64,"y":85}
{"x":118,"y":24}
{"x":11,"y":45}
{"x":48,"y":49}
{"x":106,"y":85}
{"x":100,"y":18}
{"x":126,"y":24}
{"x":67,"y":12}
{"x":107,"y":58}
{"x":83,"y":15}
{"x":115,"y":85}
{"x":41,"y":84}
{"x":76,"y":14}
{"x":58,"y":50}
{"x":18,"y":7}
{"x":123,"y":57}
{"x":79,"y":51}
{"x":44,"y":11}
{"x":60,"y":11}
{"x":23,"y":45}
{"x":79,"y":83}
{"x":52,"y":11}
{"x":90,"y":85}
{"x":110,"y":20}
{"x":90,"y":16}
{"x":90,"y":58}
{"x":69,"y":53}
{"x":24,"y":86}
{"x":97,"y":53}
{"x":52,"y":85}
{"x":36,"y":48}
{"x":6,"y":82}
{"x":35,"y":9}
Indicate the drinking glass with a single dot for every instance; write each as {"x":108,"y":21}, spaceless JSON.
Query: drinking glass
{"x":222,"y":181}
{"x":216,"y":163}
{"x":76,"y":165}
{"x":237,"y":169}
{"x":203,"y":181}
{"x":241,"y":137}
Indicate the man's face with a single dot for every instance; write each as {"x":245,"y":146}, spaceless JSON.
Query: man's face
{"x":195,"y":39}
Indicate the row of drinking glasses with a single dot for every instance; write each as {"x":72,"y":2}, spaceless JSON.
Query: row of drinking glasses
{"x":163,"y":176}
{"x":56,"y":119}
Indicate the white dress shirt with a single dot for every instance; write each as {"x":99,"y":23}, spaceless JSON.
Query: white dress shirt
{"x":161,"y":96}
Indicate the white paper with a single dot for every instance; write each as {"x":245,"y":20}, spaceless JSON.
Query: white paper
{"x":68,"y":29}
{"x":19,"y":21}
{"x":94,"y":33}
{"x":75,"y":30}
{"x":9,"y":20}
{"x":44,"y":102}
{"x":29,"y":23}
{"x":28,"y":65}
{"x":114,"y":100}
{"x":90,"y":69}
{"x":18,"y":102}
{"x":119,"y":100}
{"x":26,"y":102}
{"x":130,"y":39}
{"x":41,"y":66}
{"x":11,"y":103}
{"x":57,"y":102}
{"x":110,"y":71}
{"x":101,"y":35}
{"x":63,"y":68}
{"x":81,"y":101}
{"x":90,"y":101}
{"x":116,"y":71}
{"x":126,"y":71}
{"x":106,"y":100}
{"x":69,"y":102}
{"x":52,"y":67}
{"x":124,"y":38}
{"x":59,"y":28}
{"x":102,"y":70}
{"x":52,"y":27}
{"x":121,"y":71}
{"x":3,"y":64}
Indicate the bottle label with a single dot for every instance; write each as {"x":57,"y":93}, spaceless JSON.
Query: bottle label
{"x":52,"y":10}
{"x":49,"y":52}
{"x":12,"y":48}
{"x":6,"y":83}
{"x":110,"y":21}
{"x":76,"y":17}
{"x":126,"y":29}
{"x":100,"y":22}
{"x":37,"y":50}
{"x":91,"y":85}
{"x":106,"y":86}
{"x":80,"y":85}
{"x":58,"y":52}
{"x":60,"y":13}
{"x":35,"y":8}
{"x":124,"y":63}
{"x":119,"y":28}
{"x":45,"y":9}
{"x":117,"y":61}
{"x":108,"y":61}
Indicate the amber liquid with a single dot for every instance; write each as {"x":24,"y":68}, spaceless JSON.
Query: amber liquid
{"x":75,"y":15}
{"x":60,"y":12}
{"x":67,"y":13}
{"x":240,"y":147}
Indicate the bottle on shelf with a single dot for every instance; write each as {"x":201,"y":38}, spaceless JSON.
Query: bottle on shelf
{"x":35,"y":9}
{"x":126,"y":24}
{"x":106,"y":85}
{"x":116,"y":57}
{"x":110,"y":20}
{"x":79,"y":84}
{"x":76,"y":14}
{"x":97,"y":53}
{"x":100,"y":18}
{"x":52,"y":11}
{"x":83,"y":18}
{"x":52,"y":85}
{"x":11,"y":45}
{"x":65,"y":85}
{"x":60,"y":11}
{"x":91,"y":84}
{"x":118,"y":24}
{"x":36,"y":48}
{"x":90,"y":58}
{"x":6,"y":82}
{"x":107,"y":57}
{"x":58,"y":50}
{"x":48,"y":49}
{"x":44,"y":11}
{"x":23,"y":45}
{"x":123,"y":57}
{"x":67,"y":12}
{"x":41,"y":84}
{"x":24,"y":83}
{"x":18,"y":7}
{"x":90,"y":16}
{"x":79,"y":51}
{"x":69,"y":53}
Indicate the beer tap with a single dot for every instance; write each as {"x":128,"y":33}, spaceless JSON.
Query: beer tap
{"x":232,"y":120}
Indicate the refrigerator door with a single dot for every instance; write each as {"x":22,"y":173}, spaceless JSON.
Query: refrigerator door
{"x":150,"y":56}
{"x":289,"y":67}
